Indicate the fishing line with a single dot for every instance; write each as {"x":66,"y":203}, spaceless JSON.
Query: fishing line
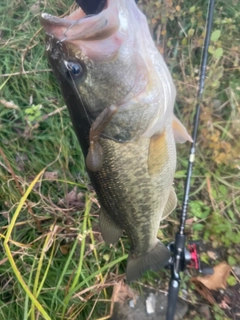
{"x":181,"y":257}
{"x":78,"y":94}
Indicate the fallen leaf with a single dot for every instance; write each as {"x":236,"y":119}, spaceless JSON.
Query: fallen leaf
{"x":212,"y":255}
{"x":50,"y":175}
{"x":203,"y":290}
{"x":72,"y":199}
{"x":50,"y":238}
{"x":190,"y":221}
{"x":217,"y":280}
{"x":121,"y":293}
{"x":65,"y":248}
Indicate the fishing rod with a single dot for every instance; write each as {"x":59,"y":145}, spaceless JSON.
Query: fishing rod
{"x":182,"y":257}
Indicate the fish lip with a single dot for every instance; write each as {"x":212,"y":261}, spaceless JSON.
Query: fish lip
{"x":76,"y":19}
{"x":50,"y":19}
{"x":75,"y":16}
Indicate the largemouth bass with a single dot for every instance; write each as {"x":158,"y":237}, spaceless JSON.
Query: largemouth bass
{"x":120,"y":96}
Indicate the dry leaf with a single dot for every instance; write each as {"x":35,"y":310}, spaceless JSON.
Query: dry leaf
{"x":50,"y":238}
{"x":204,"y":291}
{"x":217,"y":280}
{"x":212,"y":255}
{"x":65,"y":248}
{"x":51,"y":176}
{"x":190,"y":221}
{"x":72,"y":199}
{"x":121,"y":293}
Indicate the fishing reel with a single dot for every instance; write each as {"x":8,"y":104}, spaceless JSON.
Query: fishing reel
{"x":189,"y":259}
{"x":183,"y":256}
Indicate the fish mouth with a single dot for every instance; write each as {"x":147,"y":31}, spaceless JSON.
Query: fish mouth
{"x":80,"y":26}
{"x":91,"y":6}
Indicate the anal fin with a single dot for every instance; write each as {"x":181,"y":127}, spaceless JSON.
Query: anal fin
{"x":171,"y":204}
{"x":109,"y":230}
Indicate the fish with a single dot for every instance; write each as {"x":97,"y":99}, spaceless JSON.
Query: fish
{"x":120,"y":96}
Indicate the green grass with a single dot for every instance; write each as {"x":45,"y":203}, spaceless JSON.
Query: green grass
{"x":52,"y":259}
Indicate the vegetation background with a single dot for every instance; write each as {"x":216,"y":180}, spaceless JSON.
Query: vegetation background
{"x":53,"y":262}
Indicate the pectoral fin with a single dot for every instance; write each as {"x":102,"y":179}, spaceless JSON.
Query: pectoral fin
{"x":158,"y":153}
{"x":179,"y":131}
{"x":109,"y":230}
{"x":94,"y":159}
{"x":171,"y":204}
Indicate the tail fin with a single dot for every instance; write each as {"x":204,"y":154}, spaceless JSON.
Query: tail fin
{"x":153,"y":260}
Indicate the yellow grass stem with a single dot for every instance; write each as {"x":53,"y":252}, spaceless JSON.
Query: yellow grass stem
{"x":96,"y":255}
{"x":79,"y":269}
{"x":5,"y":82}
{"x":47,"y":244}
{"x":9,"y":254}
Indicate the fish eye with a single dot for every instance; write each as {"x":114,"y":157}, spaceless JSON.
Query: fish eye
{"x":74,"y":68}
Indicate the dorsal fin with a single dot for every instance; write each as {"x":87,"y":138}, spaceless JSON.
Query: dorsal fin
{"x":179,"y":131}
